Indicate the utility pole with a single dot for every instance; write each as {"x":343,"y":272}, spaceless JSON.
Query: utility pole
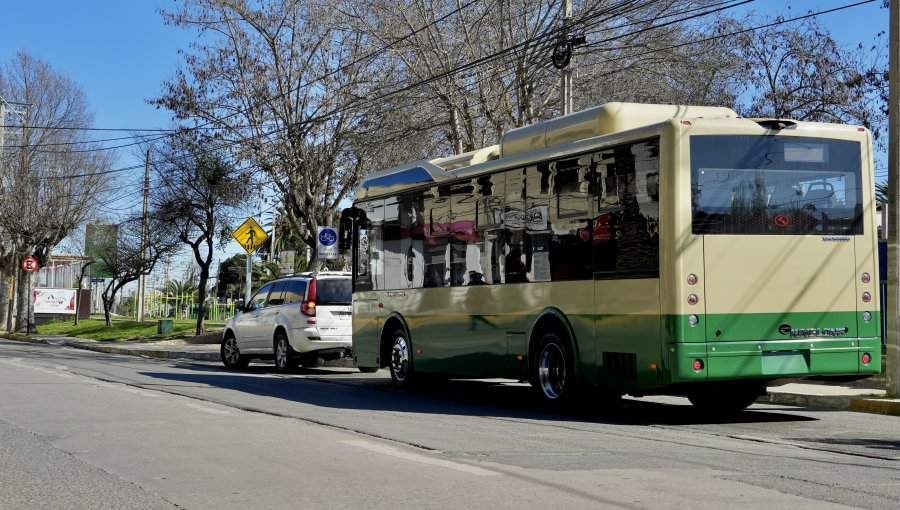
{"x":565,"y":74}
{"x":562,"y":57}
{"x":892,"y":362}
{"x":142,"y":280}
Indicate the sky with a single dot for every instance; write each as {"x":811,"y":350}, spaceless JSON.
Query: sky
{"x":120,"y":51}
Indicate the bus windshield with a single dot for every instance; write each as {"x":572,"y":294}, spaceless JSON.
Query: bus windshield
{"x":744,"y":184}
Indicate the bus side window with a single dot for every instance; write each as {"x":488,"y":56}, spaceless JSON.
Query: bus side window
{"x":515,"y":260}
{"x":466,"y":239}
{"x":368,"y":245}
{"x":437,"y":234}
{"x":626,"y":228}
{"x":393,"y":251}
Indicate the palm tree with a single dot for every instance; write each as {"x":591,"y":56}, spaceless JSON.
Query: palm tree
{"x":179,"y":288}
{"x":881,"y":192}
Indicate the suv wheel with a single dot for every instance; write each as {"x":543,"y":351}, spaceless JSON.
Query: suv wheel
{"x":284,"y":355}
{"x":231,"y":354}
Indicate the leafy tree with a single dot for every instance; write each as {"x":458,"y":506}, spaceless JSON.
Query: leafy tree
{"x":119,"y":249}
{"x":278,"y":79}
{"x":198,"y":194}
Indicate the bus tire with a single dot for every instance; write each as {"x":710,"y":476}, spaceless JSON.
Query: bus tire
{"x":725,"y":398}
{"x":400,"y":359}
{"x":553,"y":374}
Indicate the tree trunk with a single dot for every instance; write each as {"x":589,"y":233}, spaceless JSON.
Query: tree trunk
{"x":107,"y":306}
{"x":201,"y":297}
{"x":81,"y":274}
{"x":25,"y":298}
{"x":10,"y":311}
{"x":22,"y":300}
{"x":4,"y":297}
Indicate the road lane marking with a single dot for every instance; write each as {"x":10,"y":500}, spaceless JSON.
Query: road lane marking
{"x":422,"y":459}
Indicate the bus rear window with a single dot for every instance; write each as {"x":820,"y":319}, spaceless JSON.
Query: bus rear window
{"x":743,"y":184}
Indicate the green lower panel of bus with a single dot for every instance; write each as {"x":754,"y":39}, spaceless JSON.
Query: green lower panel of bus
{"x":772,"y":359}
{"x":743,"y":326}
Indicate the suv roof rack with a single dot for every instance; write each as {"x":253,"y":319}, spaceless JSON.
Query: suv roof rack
{"x":311,"y":274}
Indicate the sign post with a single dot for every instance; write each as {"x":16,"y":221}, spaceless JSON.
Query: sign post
{"x":29,"y":265}
{"x":250,"y":236}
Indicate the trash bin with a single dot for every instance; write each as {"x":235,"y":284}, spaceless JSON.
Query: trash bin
{"x":164,"y":326}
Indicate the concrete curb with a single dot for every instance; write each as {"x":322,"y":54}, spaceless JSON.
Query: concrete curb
{"x":149,"y":353}
{"x":22,"y":338}
{"x":836,"y":402}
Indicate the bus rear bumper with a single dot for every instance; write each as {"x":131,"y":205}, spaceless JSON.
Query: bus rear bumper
{"x":720,"y":361}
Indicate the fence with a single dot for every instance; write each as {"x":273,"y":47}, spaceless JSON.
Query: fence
{"x":182,"y":306}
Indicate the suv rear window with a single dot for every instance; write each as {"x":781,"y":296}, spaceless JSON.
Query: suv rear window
{"x":333,"y":291}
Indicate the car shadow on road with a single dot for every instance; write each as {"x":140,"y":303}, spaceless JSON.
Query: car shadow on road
{"x":340,"y":389}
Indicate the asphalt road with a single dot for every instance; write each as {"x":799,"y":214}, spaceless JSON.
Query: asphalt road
{"x":80,"y":429}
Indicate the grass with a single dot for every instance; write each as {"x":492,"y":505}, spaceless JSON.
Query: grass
{"x":96,"y":329}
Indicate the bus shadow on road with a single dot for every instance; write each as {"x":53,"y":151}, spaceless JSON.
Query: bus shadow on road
{"x":333,"y":388}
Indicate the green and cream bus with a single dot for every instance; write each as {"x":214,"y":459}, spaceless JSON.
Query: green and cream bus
{"x":633,"y":249}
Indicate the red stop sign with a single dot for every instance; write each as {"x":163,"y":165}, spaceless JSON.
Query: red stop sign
{"x":29,"y":264}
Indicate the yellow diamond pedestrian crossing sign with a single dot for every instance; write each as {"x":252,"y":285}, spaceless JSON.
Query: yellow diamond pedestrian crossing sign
{"x":250,"y":235}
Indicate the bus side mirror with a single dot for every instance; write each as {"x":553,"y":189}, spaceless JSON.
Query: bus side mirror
{"x":349,"y":219}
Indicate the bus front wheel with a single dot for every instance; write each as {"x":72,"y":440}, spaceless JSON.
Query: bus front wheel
{"x":552,"y":372}
{"x":400,"y":362}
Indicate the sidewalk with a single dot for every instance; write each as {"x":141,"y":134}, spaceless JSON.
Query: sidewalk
{"x":800,"y":394}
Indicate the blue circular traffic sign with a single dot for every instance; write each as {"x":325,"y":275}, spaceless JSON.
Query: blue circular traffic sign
{"x":327,"y":237}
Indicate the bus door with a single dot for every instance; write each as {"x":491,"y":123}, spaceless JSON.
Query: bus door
{"x":367,"y":232}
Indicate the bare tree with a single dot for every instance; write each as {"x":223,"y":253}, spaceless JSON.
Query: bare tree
{"x":278,"y":78}
{"x":118,"y":249}
{"x":473,"y":70}
{"x":197,"y":198}
{"x":798,"y":71}
{"x":52,"y":178}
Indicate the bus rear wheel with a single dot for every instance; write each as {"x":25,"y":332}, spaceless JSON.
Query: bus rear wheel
{"x":552,"y":372}
{"x":400,"y":362}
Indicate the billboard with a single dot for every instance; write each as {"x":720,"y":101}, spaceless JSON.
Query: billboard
{"x":55,"y":301}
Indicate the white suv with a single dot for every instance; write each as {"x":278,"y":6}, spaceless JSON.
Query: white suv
{"x":301,"y":319}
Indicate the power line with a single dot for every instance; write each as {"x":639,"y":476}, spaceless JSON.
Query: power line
{"x":469,"y":65}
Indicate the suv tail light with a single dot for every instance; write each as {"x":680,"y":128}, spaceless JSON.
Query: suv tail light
{"x":308,"y":307}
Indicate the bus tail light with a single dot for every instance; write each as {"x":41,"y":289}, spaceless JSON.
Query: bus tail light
{"x":697,"y":365}
{"x":866,"y":297}
{"x":867,"y":317}
{"x":866,"y":358}
{"x":693,"y":320}
{"x":692,"y":279}
{"x":866,"y":278}
{"x":693,"y":299}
